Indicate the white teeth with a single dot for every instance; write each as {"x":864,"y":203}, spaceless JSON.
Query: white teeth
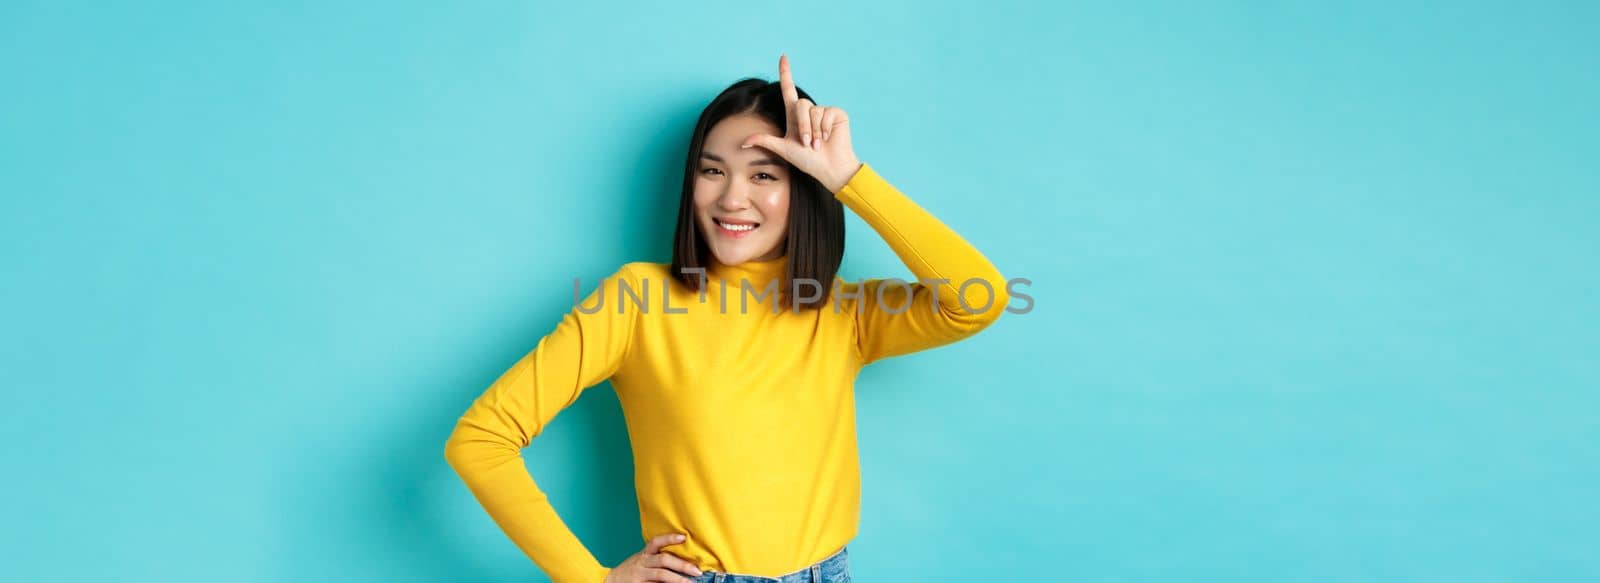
{"x":732,"y":227}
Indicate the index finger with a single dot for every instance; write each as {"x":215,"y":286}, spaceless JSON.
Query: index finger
{"x":786,"y":81}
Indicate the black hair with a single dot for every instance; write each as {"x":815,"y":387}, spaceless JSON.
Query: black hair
{"x":814,"y":244}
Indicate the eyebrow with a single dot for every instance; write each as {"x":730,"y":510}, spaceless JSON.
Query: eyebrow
{"x":757,"y":162}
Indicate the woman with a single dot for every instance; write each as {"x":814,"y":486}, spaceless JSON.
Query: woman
{"x":736,"y":377}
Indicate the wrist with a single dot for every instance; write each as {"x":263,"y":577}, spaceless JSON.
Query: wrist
{"x":838,"y":183}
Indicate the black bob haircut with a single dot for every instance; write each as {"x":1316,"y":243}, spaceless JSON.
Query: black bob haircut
{"x":814,"y":245}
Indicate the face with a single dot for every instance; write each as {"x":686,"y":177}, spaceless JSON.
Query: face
{"x":741,"y":196}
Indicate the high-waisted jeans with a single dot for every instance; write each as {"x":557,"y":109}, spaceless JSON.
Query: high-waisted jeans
{"x":834,"y":569}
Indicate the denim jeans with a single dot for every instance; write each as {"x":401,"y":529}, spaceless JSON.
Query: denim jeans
{"x":833,"y":569}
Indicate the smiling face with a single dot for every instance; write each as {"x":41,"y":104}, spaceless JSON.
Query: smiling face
{"x":741,"y":195}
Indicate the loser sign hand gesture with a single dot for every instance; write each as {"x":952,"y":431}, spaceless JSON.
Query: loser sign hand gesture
{"x":817,"y":139}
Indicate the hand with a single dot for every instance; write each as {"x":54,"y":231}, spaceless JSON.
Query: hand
{"x":817,"y":139}
{"x":652,"y":564}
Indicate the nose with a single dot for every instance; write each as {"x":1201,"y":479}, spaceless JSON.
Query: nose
{"x":735,"y":197}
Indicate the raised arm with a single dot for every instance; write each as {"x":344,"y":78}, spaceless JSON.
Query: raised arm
{"x":485,"y":448}
{"x":958,"y":291}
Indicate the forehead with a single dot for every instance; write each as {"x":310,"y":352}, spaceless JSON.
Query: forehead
{"x":725,"y":137}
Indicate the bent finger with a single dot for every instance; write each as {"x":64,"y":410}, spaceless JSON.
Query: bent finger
{"x":674,"y":562}
{"x":666,"y":576}
{"x":831,"y":120}
{"x":662,"y":540}
{"x":817,"y":128}
{"x":802,"y":120}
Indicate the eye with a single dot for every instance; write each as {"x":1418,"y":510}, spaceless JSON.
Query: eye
{"x":765,"y":176}
{"x":708,"y":171}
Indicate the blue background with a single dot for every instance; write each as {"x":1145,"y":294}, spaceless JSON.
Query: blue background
{"x":1315,"y":286}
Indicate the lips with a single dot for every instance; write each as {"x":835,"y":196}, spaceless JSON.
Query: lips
{"x":735,"y":228}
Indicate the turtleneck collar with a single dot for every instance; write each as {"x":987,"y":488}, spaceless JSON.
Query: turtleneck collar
{"x":757,"y":272}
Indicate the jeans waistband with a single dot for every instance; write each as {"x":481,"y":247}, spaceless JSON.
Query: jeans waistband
{"x":833,"y":569}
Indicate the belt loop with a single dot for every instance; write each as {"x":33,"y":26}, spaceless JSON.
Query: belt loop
{"x":717,"y":577}
{"x":816,"y":574}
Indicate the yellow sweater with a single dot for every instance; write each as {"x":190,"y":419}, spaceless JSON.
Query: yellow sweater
{"x":742,"y":423}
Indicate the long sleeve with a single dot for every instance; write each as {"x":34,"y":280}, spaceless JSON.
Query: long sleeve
{"x":485,"y":447}
{"x":928,"y":312}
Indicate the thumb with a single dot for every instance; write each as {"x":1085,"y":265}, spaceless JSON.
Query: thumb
{"x":772,"y":143}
